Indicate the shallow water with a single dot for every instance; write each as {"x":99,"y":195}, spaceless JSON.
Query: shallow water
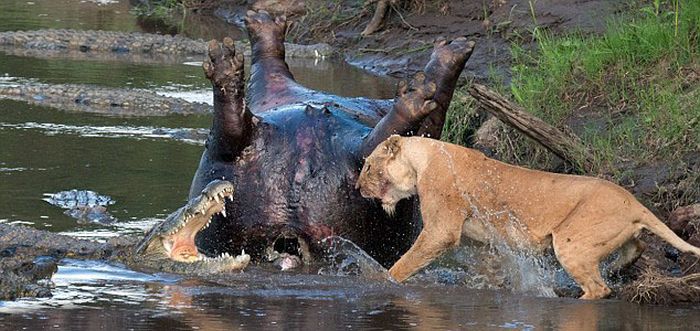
{"x":44,"y":150}
{"x":90,"y":295}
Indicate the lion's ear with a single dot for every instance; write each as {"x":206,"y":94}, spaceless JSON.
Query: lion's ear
{"x":393,"y":145}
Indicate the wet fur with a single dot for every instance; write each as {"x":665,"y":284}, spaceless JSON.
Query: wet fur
{"x":583,"y":218}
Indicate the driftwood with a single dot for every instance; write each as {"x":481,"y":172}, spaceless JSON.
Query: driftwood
{"x":565,"y":145}
{"x":377,"y":18}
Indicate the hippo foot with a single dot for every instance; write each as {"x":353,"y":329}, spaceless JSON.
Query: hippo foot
{"x":224,"y":68}
{"x":452,"y":55}
{"x":415,"y":99}
{"x":266,"y":34}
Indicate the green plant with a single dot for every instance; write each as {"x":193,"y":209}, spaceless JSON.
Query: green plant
{"x":632,"y":76}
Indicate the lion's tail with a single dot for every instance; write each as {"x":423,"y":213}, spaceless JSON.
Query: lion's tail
{"x":654,"y":224}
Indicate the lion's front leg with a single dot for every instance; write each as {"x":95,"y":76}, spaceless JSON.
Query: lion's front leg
{"x":442,"y":229}
{"x":428,"y":246}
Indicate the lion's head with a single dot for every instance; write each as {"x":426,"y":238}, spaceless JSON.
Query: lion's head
{"x":387,"y":174}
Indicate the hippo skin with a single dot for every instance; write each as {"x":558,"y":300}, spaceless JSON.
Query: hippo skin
{"x":294,"y":154}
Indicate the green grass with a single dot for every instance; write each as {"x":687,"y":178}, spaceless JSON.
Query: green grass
{"x":640,"y":80}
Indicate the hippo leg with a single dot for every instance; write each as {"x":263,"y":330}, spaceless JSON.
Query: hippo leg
{"x":271,"y":83}
{"x":445,"y":65}
{"x":421,"y":105}
{"x":232,"y":125}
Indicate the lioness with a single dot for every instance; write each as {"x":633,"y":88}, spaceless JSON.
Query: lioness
{"x":464,"y":193}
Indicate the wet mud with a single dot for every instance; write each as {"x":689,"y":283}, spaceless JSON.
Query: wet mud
{"x":104,"y":100}
{"x":97,"y":41}
{"x":406,"y":37}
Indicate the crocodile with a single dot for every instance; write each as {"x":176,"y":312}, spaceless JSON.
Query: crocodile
{"x":172,"y":240}
{"x":84,"y":205}
{"x":30,"y":256}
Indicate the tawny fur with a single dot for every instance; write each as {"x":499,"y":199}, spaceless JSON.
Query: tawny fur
{"x":464,"y":193}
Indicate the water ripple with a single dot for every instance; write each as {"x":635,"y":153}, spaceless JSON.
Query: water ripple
{"x":194,"y":136}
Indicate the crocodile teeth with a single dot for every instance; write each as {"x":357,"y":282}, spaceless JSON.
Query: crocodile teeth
{"x":230,"y":198}
{"x":223,"y":212}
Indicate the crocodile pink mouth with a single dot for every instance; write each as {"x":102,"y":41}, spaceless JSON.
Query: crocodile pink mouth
{"x":179,"y":243}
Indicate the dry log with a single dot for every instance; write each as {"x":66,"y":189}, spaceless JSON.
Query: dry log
{"x":377,"y":18}
{"x":564,"y":144}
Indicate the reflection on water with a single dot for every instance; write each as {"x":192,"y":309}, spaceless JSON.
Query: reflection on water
{"x":100,"y":15}
{"x":66,"y":14}
{"x":131,"y":300}
{"x":332,"y":76}
{"x":142,"y":71}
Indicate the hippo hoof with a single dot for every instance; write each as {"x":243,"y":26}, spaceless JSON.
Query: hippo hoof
{"x":267,"y":32}
{"x":415,"y":99}
{"x":453,"y":53}
{"x":224,"y":67}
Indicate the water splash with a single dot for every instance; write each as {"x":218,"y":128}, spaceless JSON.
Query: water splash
{"x":506,"y":260}
{"x":344,"y":258}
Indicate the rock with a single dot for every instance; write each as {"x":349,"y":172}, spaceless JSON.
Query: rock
{"x":685,"y":221}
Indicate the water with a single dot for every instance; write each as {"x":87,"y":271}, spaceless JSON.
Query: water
{"x":44,"y":150}
{"x":91,"y":295}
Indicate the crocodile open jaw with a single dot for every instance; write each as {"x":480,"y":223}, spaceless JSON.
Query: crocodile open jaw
{"x":179,"y":242}
{"x":175,"y":236}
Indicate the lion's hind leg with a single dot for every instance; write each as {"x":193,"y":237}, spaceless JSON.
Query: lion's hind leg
{"x":584,"y":239}
{"x":583,"y":268}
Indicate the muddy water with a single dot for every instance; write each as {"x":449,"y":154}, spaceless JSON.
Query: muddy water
{"x":45,"y":150}
{"x":91,"y":295}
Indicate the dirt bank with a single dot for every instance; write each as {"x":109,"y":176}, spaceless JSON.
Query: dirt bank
{"x":403,"y":44}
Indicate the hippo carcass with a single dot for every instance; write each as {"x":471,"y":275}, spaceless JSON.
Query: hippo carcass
{"x":294,"y":154}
